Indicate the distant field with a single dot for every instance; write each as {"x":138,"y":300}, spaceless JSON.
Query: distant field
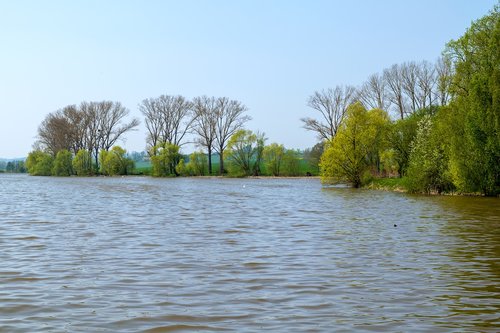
{"x":144,"y":168}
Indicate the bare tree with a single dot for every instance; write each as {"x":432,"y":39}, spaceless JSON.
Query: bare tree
{"x":444,"y":74}
{"x":332,"y":104}
{"x":373,"y":93}
{"x":92,"y":126}
{"x":205,"y":122}
{"x":410,"y":87}
{"x":229,"y":118}
{"x":426,"y":81}
{"x":168,"y":119}
{"x":54,"y":133}
{"x":111,"y":128}
{"x":154,"y":123}
{"x":394,"y":79}
{"x":177,"y":116}
{"x":77,"y":127}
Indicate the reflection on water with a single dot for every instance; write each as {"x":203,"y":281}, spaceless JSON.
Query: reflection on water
{"x":280,"y":255}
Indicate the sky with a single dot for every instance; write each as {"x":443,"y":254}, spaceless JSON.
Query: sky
{"x":270,"y":55}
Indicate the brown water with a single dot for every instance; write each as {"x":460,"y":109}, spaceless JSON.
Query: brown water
{"x":252,"y":255}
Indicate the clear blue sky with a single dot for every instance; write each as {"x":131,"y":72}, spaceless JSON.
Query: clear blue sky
{"x":271,"y":55}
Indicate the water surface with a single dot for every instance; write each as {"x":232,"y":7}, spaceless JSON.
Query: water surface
{"x":243,"y":255}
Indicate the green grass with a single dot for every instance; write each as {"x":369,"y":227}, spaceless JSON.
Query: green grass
{"x":144,"y":168}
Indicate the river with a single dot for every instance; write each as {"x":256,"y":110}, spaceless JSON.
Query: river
{"x":139,"y":254}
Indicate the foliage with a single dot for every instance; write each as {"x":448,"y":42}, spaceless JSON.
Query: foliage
{"x":273,"y":157}
{"x":428,"y":165}
{"x":313,"y":156}
{"x":82,"y":163}
{"x":182,"y":169}
{"x":15,"y":167}
{"x":197,"y":165}
{"x":63,"y":166}
{"x":347,"y":156}
{"x":291,"y":163}
{"x":379,"y":121}
{"x":115,"y":162}
{"x":400,"y":136}
{"x":39,"y":163}
{"x":475,"y":144}
{"x":164,"y":158}
{"x":244,"y":153}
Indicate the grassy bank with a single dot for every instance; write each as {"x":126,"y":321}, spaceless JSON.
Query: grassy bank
{"x":400,"y":185}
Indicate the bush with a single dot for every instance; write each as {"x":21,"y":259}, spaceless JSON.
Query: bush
{"x":63,"y":166}
{"x":39,"y":163}
{"x":82,"y":163}
{"x":428,"y":166}
{"x":197,"y":165}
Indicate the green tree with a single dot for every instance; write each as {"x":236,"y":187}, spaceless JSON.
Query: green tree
{"x":164,"y":159}
{"x":347,"y":155}
{"x":273,"y":157}
{"x":39,"y":163}
{"x":475,"y":144}
{"x":428,"y":170}
{"x":380,"y":122}
{"x":182,"y":169}
{"x":82,"y":163}
{"x":313,"y":156}
{"x":115,"y":162}
{"x":15,"y":167}
{"x":9,"y":167}
{"x":400,"y":137}
{"x":19,"y":167}
{"x":244,"y":153}
{"x":197,"y":164}
{"x":63,"y":164}
{"x":291,"y":163}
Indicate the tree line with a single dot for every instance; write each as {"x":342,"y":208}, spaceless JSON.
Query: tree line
{"x":446,"y":137}
{"x":213,"y":120}
{"x":16,"y":166}
{"x":401,"y":90}
{"x":443,"y":135}
{"x":81,"y":140}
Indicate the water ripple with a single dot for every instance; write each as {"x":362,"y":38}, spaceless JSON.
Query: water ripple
{"x":246,"y":255}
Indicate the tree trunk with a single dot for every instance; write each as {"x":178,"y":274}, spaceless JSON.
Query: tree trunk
{"x":209,"y":161}
{"x":221,"y":163}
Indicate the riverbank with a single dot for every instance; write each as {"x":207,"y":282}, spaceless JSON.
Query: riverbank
{"x":400,"y":185}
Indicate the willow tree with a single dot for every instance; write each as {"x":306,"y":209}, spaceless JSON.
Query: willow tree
{"x":245,"y":151}
{"x":273,"y":158}
{"x":347,"y":155}
{"x":63,"y":164}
